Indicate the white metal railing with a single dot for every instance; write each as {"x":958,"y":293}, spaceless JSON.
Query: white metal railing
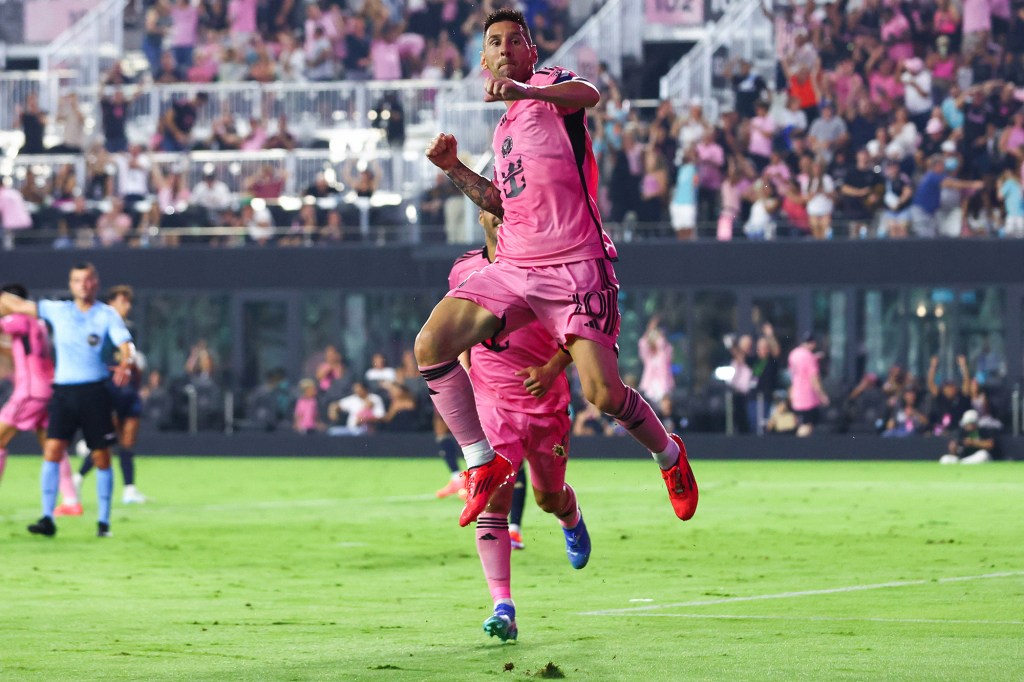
{"x":87,"y":49}
{"x":745,"y":32}
{"x":15,"y":86}
{"x":396,"y":171}
{"x":616,"y":31}
{"x":314,"y":108}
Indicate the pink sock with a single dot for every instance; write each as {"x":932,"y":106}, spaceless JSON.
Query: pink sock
{"x":637,"y":417}
{"x":67,"y":483}
{"x":452,"y":394}
{"x":495,"y":550}
{"x":3,"y":461}
{"x":570,"y":507}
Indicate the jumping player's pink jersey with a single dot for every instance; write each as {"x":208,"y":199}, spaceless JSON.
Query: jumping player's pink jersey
{"x":30,"y":349}
{"x":493,"y":363}
{"x":545,"y":169}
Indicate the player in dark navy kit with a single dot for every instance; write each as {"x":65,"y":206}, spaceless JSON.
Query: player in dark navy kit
{"x":127,"y":405}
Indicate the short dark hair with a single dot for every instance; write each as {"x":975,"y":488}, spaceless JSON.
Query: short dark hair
{"x":508,"y":14}
{"x":16,"y":289}
{"x":84,"y":265}
{"x":120,"y":290}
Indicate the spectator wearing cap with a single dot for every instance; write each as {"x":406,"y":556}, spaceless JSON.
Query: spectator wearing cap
{"x":973,"y":444}
{"x":917,"y":91}
{"x":924,"y":210}
{"x":213,"y":197}
{"x":934,"y":135}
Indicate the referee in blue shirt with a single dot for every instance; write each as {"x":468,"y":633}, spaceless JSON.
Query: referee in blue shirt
{"x":80,"y":399}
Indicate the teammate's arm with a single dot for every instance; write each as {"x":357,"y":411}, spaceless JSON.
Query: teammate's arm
{"x":443,"y":153}
{"x":538,"y":380}
{"x":12,"y":303}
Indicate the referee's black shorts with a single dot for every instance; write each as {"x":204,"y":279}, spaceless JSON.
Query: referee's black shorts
{"x":82,"y":406}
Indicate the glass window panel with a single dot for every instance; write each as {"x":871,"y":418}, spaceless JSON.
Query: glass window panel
{"x":828,"y":322}
{"x":319,"y":316}
{"x":264,"y":340}
{"x":982,"y":332}
{"x":880,"y":318}
{"x":714,"y":316}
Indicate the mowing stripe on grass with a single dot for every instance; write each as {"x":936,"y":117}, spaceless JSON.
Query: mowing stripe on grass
{"x":938,"y":621}
{"x":804,"y":593}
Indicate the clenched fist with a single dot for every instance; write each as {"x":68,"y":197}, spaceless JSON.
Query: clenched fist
{"x":504,"y":90}
{"x":443,"y":151}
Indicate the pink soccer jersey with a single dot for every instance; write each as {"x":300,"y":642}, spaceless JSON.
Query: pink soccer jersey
{"x":545,"y":168}
{"x":493,"y":363}
{"x":30,"y":349}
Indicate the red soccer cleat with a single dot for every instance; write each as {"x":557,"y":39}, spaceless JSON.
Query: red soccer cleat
{"x":453,"y":487}
{"x":682,"y":486}
{"x":516,"y":538}
{"x":482,"y":482}
{"x":68,"y":509}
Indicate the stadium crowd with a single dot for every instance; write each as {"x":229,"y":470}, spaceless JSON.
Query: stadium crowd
{"x":882,"y":119}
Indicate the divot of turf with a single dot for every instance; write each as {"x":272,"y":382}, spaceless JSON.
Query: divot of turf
{"x":550,"y":672}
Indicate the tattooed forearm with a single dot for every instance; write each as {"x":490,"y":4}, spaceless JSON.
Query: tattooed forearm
{"x":479,"y":189}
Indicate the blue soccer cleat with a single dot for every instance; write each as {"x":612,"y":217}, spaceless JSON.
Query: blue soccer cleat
{"x":503,"y":623}
{"x":577,"y":544}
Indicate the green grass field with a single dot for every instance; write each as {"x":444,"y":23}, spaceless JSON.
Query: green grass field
{"x":282,"y":569}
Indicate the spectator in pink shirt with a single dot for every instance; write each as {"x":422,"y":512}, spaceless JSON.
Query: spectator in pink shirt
{"x":656,"y":380}
{"x":385,"y":56}
{"x":896,"y":35}
{"x":806,"y":394}
{"x":762,"y":128}
{"x":884,"y":85}
{"x":306,"y":418}
{"x":183,"y":33}
{"x":242,"y":15}
{"x":977,"y":24}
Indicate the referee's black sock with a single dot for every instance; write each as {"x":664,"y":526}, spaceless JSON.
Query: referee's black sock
{"x":127,"y":458}
{"x":87,"y":465}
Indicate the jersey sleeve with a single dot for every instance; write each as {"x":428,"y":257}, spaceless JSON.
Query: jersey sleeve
{"x":46,"y":309}
{"x":14,"y":324}
{"x":118,"y":331}
{"x":553,"y":75}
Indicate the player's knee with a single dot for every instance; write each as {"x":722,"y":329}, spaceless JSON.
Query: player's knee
{"x":425,"y":348}
{"x":547,"y":501}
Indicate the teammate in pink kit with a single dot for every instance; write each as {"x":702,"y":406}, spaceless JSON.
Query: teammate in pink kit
{"x":25,"y":410}
{"x":522,"y":397}
{"x":553,"y":263}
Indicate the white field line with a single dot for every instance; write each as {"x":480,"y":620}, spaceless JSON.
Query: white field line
{"x":638,"y":610}
{"x":838,"y":619}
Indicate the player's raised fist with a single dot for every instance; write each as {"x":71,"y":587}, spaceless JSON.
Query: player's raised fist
{"x":504,"y":90}
{"x":443,"y":151}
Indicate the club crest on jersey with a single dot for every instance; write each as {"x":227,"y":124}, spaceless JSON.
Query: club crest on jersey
{"x":94,"y":339}
{"x":506,"y":147}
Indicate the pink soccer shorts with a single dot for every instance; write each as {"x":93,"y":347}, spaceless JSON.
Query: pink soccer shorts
{"x":570,"y":300}
{"x":541,"y":439}
{"x":25,"y":413}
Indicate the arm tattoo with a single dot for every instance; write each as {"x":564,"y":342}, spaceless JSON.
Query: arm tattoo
{"x":479,"y":189}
